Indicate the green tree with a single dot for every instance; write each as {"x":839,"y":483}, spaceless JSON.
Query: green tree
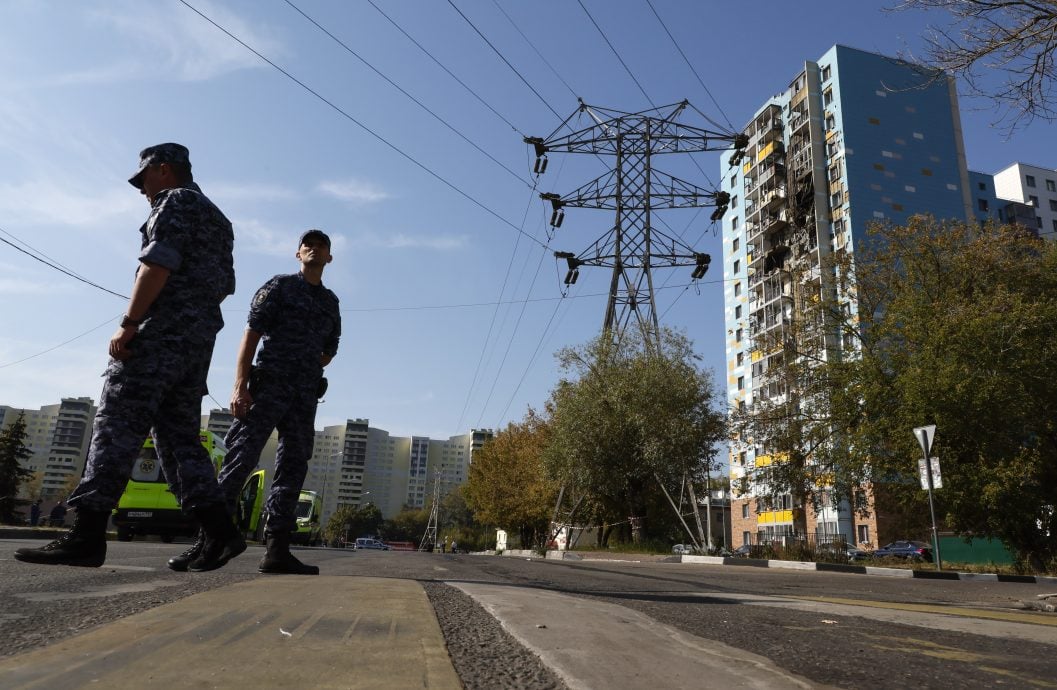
{"x":13,"y":452}
{"x":956,"y":325}
{"x":407,"y":525}
{"x":351,"y":522}
{"x":634,"y":416}
{"x":508,"y":486}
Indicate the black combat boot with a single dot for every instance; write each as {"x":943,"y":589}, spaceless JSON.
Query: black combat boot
{"x":222,"y":539}
{"x":279,"y":561}
{"x":180,"y":563}
{"x":84,"y":545}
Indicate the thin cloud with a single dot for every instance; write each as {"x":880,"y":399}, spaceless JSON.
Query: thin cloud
{"x":41,"y":201}
{"x":250,"y":192}
{"x":434,"y":242}
{"x":353,"y":191}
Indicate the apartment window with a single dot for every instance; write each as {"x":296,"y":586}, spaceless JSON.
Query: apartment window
{"x":981,"y":186}
{"x":1029,"y":180}
{"x":1055,"y":225}
{"x":745,"y":511}
{"x":1053,"y":204}
{"x":741,"y":408}
{"x":734,"y":223}
{"x":1034,"y":201}
{"x":831,"y":123}
{"x":863,"y":533}
{"x":982,"y":205}
{"x":1051,"y":186}
{"x":734,"y":201}
{"x":737,"y":289}
{"x":874,"y":121}
{"x":741,"y":355}
{"x":827,"y":97}
{"x":745,"y":537}
{"x":733,"y":181}
{"x":741,"y":379}
{"x":735,"y":246}
{"x":1038,"y":222}
{"x":737,"y":312}
{"x":737,"y":336}
{"x":834,"y":200}
{"x":826,"y":73}
{"x":737,"y":266}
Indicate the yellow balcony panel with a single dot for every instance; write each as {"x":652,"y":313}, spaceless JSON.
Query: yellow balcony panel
{"x":765,"y":460}
{"x":757,"y":355}
{"x":746,"y":168}
{"x":765,"y":151}
{"x":773,"y":517}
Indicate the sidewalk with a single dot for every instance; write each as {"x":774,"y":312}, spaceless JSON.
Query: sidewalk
{"x":366,"y":632}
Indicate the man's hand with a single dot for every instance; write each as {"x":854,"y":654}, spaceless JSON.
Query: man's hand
{"x":119,"y":343}
{"x":241,"y":401}
{"x":324,"y":359}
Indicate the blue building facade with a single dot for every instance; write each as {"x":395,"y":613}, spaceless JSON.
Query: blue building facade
{"x":856,"y":138}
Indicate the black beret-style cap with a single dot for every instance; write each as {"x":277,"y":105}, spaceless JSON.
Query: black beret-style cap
{"x":157,"y":154}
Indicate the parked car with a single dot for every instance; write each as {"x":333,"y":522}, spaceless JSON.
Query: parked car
{"x":761,"y":551}
{"x":368,"y":543}
{"x":684,"y":549}
{"x":841,"y":551}
{"x":914,"y":550}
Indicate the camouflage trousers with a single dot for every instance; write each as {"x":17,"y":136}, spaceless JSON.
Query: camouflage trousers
{"x":157,"y":390}
{"x":290,"y":407}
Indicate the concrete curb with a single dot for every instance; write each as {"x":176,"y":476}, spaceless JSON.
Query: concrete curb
{"x":805,"y":565}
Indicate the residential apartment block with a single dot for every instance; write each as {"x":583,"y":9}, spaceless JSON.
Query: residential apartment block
{"x":58,"y":436}
{"x":856,"y":137}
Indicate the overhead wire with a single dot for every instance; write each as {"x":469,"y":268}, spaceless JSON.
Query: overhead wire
{"x":57,"y":267}
{"x":361,"y":125}
{"x":491,"y":324}
{"x":503,"y":58}
{"x":688,"y":64}
{"x":463,"y":84}
{"x":613,"y":48}
{"x":65,"y":342}
{"x":534,"y":49}
{"x":417,"y":102}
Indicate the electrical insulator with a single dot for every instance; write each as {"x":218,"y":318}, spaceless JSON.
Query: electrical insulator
{"x":571,"y":276}
{"x":541,"y":166}
{"x":557,"y":217}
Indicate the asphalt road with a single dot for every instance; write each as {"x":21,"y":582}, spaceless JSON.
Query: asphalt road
{"x":834,"y":629}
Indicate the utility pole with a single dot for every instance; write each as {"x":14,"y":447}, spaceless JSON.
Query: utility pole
{"x":634,"y":189}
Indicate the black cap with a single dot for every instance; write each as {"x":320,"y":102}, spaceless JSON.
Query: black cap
{"x":157,"y":154}
{"x":314,"y":233}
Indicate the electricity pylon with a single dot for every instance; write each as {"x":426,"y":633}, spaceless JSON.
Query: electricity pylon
{"x":429,"y":539}
{"x":634,"y":188}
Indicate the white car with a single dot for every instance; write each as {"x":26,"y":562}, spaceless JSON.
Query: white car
{"x":683,"y":549}
{"x":368,"y":543}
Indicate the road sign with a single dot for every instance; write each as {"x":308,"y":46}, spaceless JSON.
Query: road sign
{"x":937,"y":479}
{"x":925,"y":435}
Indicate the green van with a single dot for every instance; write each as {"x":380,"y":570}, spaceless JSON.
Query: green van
{"x":251,"y":513}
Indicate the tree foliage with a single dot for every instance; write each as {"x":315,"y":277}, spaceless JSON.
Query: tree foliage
{"x":508,"y":486}
{"x":1013,"y":40}
{"x":348,"y":523}
{"x":13,"y":452}
{"x":407,"y":525}
{"x":634,"y":415}
{"x":957,"y":326}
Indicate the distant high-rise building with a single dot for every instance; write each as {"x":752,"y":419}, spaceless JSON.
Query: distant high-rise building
{"x":1035,"y":187}
{"x":856,"y":137}
{"x":58,"y":436}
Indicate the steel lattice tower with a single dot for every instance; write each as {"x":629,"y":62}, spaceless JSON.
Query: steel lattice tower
{"x":634,"y":188}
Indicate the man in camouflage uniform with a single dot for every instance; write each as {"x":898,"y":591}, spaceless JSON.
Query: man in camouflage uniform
{"x":157,"y":373}
{"x":299,"y":323}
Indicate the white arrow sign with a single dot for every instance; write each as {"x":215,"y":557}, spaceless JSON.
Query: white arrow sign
{"x":925,"y":435}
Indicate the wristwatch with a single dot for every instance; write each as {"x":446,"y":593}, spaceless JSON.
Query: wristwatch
{"x":127,"y":321}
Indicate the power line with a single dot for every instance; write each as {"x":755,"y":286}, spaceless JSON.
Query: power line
{"x":441,"y":65}
{"x":65,"y":342}
{"x":491,"y":324}
{"x":501,"y":57}
{"x":626,"y":68}
{"x":401,"y":90}
{"x":532,"y":359}
{"x":687,"y":61}
{"x":359,"y":124}
{"x":534,"y":49}
{"x":59,"y":268}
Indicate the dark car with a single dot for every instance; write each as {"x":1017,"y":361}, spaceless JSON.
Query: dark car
{"x":761,"y":551}
{"x":914,"y":550}
{"x":840,"y":551}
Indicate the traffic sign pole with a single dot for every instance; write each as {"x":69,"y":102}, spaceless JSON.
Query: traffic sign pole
{"x":925,"y":435}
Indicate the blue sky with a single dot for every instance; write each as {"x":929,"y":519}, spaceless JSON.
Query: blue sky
{"x":418,"y":266}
